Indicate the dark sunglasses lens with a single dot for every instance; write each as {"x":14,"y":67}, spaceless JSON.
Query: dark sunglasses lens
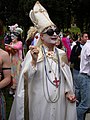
{"x":57,"y":31}
{"x":50,"y":32}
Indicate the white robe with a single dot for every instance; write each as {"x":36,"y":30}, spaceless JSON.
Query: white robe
{"x":39,"y":105}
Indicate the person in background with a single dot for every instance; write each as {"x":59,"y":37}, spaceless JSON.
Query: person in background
{"x":59,"y":43}
{"x":61,"y":35}
{"x":66,"y":44}
{"x":84,"y":81}
{"x":5,"y":79}
{"x":73,"y":40}
{"x":45,"y":88}
{"x":75,"y":61}
{"x":15,"y":49}
{"x":32,"y":36}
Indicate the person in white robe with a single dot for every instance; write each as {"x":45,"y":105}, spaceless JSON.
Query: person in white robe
{"x":45,"y":88}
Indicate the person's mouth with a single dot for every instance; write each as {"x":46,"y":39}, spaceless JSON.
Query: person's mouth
{"x":54,"y":38}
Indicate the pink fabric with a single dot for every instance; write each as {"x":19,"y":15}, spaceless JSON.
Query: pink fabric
{"x":18,"y":46}
{"x":16,"y":60}
{"x":66,"y":44}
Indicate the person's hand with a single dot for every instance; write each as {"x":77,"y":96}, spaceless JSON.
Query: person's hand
{"x":34,"y":52}
{"x":70,"y":97}
{"x":8,"y":45}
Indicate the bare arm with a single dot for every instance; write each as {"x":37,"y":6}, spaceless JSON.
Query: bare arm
{"x":7,"y":73}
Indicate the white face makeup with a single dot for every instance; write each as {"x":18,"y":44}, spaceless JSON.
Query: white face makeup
{"x":52,"y":38}
{"x":13,"y":37}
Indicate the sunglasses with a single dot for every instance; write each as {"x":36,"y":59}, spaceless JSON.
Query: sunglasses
{"x":50,"y":32}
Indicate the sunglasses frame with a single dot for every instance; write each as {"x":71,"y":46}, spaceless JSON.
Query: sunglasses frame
{"x":50,"y":31}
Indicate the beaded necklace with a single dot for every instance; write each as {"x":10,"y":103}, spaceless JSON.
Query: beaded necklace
{"x":56,"y":82}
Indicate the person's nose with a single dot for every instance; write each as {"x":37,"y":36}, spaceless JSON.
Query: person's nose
{"x":55,"y":33}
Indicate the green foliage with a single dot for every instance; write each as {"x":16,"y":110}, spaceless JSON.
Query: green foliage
{"x":74,"y":30}
{"x":60,"y":11}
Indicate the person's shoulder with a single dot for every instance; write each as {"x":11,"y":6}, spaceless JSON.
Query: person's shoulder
{"x":60,"y":51}
{"x":77,"y":43}
{"x":76,"y":46}
{"x":28,"y":55}
{"x":3,"y":53}
{"x":87,"y":45}
{"x":63,"y":55}
{"x":19,"y":42}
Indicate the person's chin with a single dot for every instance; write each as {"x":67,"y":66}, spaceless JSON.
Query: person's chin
{"x":51,"y":43}
{"x":54,"y":43}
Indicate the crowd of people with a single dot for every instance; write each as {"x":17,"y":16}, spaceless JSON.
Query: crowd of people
{"x":52,"y":81}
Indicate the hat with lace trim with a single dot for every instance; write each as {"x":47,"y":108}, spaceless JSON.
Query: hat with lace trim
{"x":15,"y":31}
{"x":40,"y":17}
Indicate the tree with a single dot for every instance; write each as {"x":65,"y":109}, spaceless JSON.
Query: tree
{"x":61,"y":12}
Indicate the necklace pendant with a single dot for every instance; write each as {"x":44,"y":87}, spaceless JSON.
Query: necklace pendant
{"x":56,"y":82}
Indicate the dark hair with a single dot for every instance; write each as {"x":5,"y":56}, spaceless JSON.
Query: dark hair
{"x":7,"y":38}
{"x":84,"y":33}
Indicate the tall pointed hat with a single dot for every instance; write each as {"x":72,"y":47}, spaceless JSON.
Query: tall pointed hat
{"x":40,"y":17}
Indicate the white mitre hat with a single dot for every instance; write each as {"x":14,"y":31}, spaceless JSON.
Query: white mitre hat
{"x":40,"y":17}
